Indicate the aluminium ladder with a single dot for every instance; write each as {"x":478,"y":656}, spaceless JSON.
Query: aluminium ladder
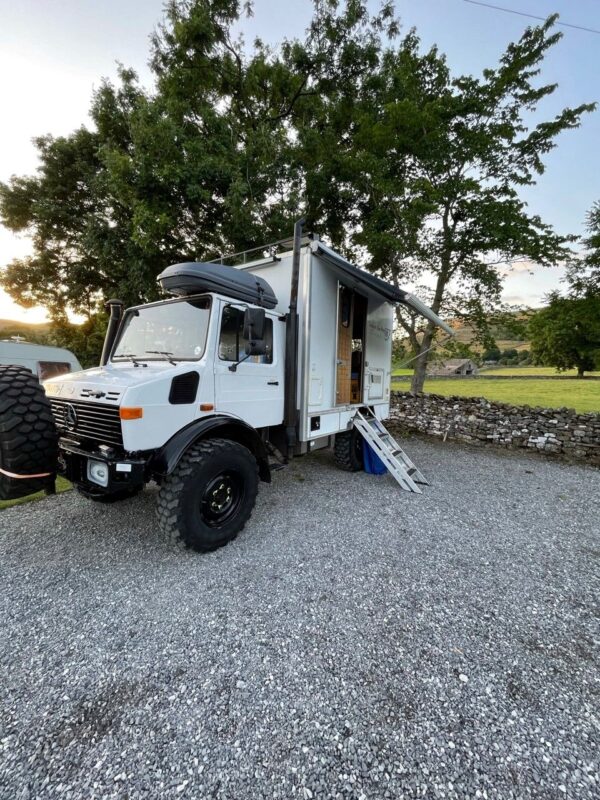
{"x":389,"y":451}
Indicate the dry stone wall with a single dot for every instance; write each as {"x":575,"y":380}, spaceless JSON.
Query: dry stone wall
{"x":557,"y":431}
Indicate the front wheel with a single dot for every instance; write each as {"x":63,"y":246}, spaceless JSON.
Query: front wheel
{"x":209,"y":496}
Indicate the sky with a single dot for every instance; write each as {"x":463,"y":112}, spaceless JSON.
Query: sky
{"x":53,"y":53}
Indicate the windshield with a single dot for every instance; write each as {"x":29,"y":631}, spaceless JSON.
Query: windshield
{"x":174,"y":331}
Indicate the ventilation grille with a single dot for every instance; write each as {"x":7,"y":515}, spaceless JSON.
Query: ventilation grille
{"x":184,"y":388}
{"x":94,"y":421}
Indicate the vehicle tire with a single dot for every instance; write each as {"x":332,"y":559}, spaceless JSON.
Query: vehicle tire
{"x":28,"y":437}
{"x":115,"y":497}
{"x":348,"y":451}
{"x":208,"y":498}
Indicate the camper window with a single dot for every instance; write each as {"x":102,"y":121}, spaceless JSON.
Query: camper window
{"x":232,"y":343}
{"x":52,"y":369}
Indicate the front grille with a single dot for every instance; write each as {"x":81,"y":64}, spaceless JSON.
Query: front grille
{"x":94,"y":421}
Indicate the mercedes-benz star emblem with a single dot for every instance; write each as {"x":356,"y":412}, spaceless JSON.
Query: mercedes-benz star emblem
{"x":70,"y":417}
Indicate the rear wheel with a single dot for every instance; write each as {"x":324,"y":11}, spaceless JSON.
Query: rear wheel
{"x":28,"y":437}
{"x":209,"y":496}
{"x":348,"y":451}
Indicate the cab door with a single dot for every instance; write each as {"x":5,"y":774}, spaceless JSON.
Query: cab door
{"x":253,"y":390}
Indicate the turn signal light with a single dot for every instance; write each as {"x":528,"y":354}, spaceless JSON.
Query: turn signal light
{"x":206,"y":406}
{"x":131,"y":413}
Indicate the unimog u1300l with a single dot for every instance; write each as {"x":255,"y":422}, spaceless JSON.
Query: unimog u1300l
{"x":241,"y":367}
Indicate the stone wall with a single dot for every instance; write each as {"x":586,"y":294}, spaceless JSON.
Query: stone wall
{"x":557,"y":431}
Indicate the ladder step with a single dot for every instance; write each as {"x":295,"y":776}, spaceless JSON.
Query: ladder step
{"x":384,"y":445}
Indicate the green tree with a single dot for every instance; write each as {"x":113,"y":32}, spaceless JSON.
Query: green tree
{"x":583,"y":274}
{"x":566,"y":334}
{"x":491,"y":354}
{"x":399,"y":352}
{"x":422,"y":170}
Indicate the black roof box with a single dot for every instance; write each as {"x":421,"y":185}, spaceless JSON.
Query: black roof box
{"x":195,"y":277}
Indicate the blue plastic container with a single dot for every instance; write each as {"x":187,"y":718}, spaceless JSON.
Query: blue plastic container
{"x":372,"y":463}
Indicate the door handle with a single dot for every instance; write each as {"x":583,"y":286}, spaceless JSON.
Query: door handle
{"x":272,"y":383}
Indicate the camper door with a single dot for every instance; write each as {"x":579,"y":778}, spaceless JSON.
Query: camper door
{"x":350,"y":349}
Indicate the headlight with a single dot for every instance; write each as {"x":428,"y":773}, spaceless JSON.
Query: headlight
{"x":97,"y":472}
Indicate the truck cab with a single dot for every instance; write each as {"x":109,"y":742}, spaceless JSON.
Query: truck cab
{"x":177,"y":361}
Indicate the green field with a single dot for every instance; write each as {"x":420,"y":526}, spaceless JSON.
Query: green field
{"x":517,"y":371}
{"x":583,"y":396}
{"x":550,"y":371}
{"x":62,"y":485}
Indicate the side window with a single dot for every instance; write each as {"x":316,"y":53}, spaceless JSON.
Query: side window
{"x":232,"y":344}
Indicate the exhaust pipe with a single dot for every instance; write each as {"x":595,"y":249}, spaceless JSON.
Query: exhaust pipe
{"x":291,"y":348}
{"x":116,"y":313}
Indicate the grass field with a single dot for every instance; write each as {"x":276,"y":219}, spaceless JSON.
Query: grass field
{"x":583,"y":396}
{"x":62,"y":485}
{"x":516,"y":371}
{"x":529,"y":370}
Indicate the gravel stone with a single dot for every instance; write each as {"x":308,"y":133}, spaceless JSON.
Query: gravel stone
{"x":355,"y":641}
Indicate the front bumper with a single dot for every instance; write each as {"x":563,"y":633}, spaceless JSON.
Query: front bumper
{"x":124,"y":473}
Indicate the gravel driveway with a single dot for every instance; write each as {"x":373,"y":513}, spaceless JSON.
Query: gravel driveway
{"x":354,"y":642}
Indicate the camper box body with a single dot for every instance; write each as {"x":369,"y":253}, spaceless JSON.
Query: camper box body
{"x":345,"y":338}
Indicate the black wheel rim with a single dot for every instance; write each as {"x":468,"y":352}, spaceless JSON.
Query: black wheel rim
{"x":221,"y":498}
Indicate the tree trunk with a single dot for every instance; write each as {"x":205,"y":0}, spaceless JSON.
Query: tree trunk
{"x":580,"y":371}
{"x":418,"y":378}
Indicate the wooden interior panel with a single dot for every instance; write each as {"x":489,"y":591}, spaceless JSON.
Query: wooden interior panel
{"x":344,"y":348}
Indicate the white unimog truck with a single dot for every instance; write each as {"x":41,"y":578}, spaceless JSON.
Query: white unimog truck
{"x":243,"y":367}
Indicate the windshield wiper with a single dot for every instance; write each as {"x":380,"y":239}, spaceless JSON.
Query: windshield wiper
{"x":133,"y":358}
{"x":165,"y":353}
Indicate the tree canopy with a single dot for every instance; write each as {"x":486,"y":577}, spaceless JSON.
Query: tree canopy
{"x":583,"y":274}
{"x":408,"y":169}
{"x":566,"y":334}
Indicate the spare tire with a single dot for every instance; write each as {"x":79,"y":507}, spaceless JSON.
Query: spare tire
{"x":28,"y":437}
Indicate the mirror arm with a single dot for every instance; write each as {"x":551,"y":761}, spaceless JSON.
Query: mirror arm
{"x":234,"y":367}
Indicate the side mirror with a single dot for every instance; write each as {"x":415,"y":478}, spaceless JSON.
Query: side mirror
{"x":256,"y":347}
{"x":254,"y":324}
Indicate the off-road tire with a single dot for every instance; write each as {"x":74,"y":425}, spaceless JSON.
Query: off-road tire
{"x":183,"y":505}
{"x":28,"y":437}
{"x":348,"y":451}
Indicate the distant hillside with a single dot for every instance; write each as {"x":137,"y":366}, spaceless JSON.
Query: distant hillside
{"x":506,"y":338}
{"x":11,"y":327}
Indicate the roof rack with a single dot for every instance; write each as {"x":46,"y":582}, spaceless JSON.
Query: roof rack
{"x":264,"y":251}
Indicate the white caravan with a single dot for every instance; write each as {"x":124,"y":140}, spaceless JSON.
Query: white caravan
{"x":241,"y":369}
{"x":43,"y":360}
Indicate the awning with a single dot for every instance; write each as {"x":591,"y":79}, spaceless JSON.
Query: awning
{"x":357,"y":278}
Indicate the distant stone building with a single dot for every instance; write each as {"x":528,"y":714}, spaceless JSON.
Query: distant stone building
{"x":452,"y":367}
